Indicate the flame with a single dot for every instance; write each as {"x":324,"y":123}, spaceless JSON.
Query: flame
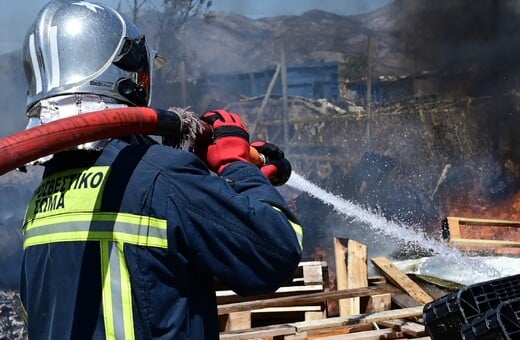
{"x":507,"y":209}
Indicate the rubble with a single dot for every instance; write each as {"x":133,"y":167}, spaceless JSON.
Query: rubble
{"x":12,"y":325}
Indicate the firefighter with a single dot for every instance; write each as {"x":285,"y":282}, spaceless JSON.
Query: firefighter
{"x":124,"y":238}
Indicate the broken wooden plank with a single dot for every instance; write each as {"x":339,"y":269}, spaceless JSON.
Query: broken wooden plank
{"x":287,"y":289}
{"x":308,"y":276}
{"x":377,"y":334}
{"x":287,"y":309}
{"x":402,"y":280}
{"x":299,"y":336}
{"x":304,"y":299}
{"x":404,"y":300}
{"x":313,"y":273}
{"x":238,"y":320}
{"x":316,"y":315}
{"x":407,"y":327}
{"x":379,"y":303}
{"x":376,"y":280}
{"x":357,"y":270}
{"x":351,"y":271}
{"x":334,"y":331}
{"x":321,"y":326}
{"x":267,"y":332}
{"x":330,"y":326}
{"x":316,"y":273}
{"x":485,"y":243}
{"x":308,"y":326}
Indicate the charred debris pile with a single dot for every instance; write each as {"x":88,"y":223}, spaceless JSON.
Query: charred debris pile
{"x":415,"y":161}
{"x":12,"y":325}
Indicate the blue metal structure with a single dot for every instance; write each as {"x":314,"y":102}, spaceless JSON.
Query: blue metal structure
{"x":315,"y":80}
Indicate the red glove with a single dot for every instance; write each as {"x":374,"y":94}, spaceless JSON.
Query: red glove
{"x":276,"y":167}
{"x":230,"y":140}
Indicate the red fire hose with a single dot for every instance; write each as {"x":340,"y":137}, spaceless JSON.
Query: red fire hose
{"x":28,"y":145}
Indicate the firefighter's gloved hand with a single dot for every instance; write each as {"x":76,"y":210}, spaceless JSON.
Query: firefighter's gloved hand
{"x":276,"y":167}
{"x":230,"y":140}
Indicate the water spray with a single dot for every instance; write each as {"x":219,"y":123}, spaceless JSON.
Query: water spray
{"x":450,"y":256}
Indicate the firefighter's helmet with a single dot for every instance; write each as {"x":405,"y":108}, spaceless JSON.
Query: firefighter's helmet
{"x":80,"y":47}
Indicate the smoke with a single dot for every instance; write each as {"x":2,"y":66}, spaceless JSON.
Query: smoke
{"x":476,"y":46}
{"x":266,"y":8}
{"x":13,"y":94}
{"x":16,"y":188}
{"x":479,"y":38}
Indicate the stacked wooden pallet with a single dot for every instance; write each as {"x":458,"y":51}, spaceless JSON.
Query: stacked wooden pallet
{"x":484,"y":235}
{"x":237,"y":313}
{"x":389,"y":306}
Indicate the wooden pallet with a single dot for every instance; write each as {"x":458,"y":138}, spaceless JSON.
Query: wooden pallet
{"x":368,"y":313}
{"x":379,"y":325}
{"x":483,"y":235}
{"x":236,"y":312}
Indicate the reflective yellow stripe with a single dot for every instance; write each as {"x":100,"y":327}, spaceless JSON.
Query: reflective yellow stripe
{"x":24,"y":312}
{"x":121,"y":227}
{"x":65,"y":208}
{"x":97,"y":217}
{"x":117,"y":295}
{"x":112,"y":230}
{"x":126,"y":296}
{"x":88,"y":236}
{"x":108,"y":311}
{"x":297,"y":229}
{"x":299,"y":232}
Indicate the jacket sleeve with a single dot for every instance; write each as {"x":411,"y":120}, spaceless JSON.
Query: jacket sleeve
{"x":238,"y":227}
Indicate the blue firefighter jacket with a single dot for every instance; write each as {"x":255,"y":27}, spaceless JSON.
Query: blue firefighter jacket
{"x":126,"y":243}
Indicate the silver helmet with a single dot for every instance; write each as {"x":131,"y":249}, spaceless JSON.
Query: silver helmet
{"x":80,"y":47}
